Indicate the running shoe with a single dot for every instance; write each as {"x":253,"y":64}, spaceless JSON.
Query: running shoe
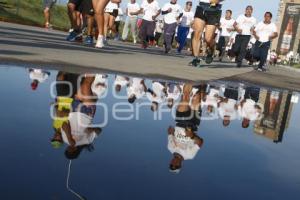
{"x":72,"y":36}
{"x":167,"y":50}
{"x":261,"y":69}
{"x":209,"y":57}
{"x":89,"y":40}
{"x":48,"y":26}
{"x":79,"y":38}
{"x":100,"y":42}
{"x":195,"y":62}
{"x":144,"y":45}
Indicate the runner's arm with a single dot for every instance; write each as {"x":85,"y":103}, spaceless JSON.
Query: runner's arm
{"x":171,"y":130}
{"x":67,"y":129}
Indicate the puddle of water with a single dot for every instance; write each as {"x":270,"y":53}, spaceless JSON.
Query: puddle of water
{"x":131,"y":158}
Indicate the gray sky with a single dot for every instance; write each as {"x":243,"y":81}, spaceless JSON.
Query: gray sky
{"x":237,"y":6}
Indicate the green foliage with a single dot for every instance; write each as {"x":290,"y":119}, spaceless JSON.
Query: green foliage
{"x":30,"y":12}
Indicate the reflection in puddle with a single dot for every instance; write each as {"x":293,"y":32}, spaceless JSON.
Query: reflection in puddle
{"x":130,"y":113}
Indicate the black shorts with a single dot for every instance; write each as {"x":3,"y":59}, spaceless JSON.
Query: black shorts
{"x":114,"y":13}
{"x":67,"y":88}
{"x":86,"y":7}
{"x":189,"y":119}
{"x":211,"y":15}
{"x":77,"y":3}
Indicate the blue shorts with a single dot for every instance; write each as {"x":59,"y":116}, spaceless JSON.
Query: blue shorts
{"x":78,"y":106}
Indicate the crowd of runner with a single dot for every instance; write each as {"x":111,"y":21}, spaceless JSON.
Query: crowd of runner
{"x":206,"y":30}
{"x":76,"y":97}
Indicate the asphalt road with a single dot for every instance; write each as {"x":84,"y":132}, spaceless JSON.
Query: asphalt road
{"x":26,"y":45}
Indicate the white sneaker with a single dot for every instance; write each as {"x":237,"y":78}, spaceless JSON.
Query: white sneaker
{"x":100,"y":43}
{"x":134,"y":41}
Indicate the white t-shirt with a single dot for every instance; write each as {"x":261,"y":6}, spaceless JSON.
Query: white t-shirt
{"x":133,"y":7}
{"x":211,"y":98}
{"x":228,"y":109}
{"x":264,"y":31}
{"x":190,"y":34}
{"x":136,"y":88}
{"x":79,"y":122}
{"x":159,"y":27}
{"x":246,"y":24}
{"x":99,"y":86}
{"x":248,"y":110}
{"x":39,"y":75}
{"x":120,"y":15}
{"x":225,"y":24}
{"x":187,"y":18}
{"x":110,"y":7}
{"x":174,"y":92}
{"x":150,"y":9}
{"x":121,"y":80}
{"x":171,"y":17}
{"x":182,"y":144}
{"x":158,"y":90}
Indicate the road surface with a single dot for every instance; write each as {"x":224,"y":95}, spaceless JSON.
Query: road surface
{"x":26,"y":45}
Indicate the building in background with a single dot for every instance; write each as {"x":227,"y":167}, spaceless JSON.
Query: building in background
{"x":288,"y":26}
{"x":277,"y":107}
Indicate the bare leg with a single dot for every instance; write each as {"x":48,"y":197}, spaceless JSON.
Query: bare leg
{"x":111,"y":24}
{"x":85,"y":93}
{"x":72,"y":15}
{"x":198,"y":30}
{"x":78,"y":20}
{"x":209,"y":36}
{"x":47,"y":16}
{"x":99,"y":6}
{"x":106,"y":24}
{"x":90,"y":24}
{"x":184,"y":106}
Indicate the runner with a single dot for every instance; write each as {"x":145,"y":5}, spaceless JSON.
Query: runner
{"x":228,"y":106}
{"x":110,"y":13}
{"x":136,"y":89}
{"x":78,"y":132}
{"x":66,"y":88}
{"x":99,"y":6}
{"x":249,"y":110}
{"x":185,"y":25}
{"x":37,"y":76}
{"x":210,"y":102}
{"x":183,"y":141}
{"x":226,"y":27}
{"x":151,"y":11}
{"x":132,"y":12}
{"x":48,"y":4}
{"x":244,"y":26}
{"x":208,"y":15}
{"x":88,"y":14}
{"x":118,"y":20}
{"x":73,"y":8}
{"x":100,"y":85}
{"x":171,"y":12}
{"x":159,"y":27}
{"x":264,"y":33}
{"x":157,"y":94}
{"x":173,"y":93}
{"x":120,"y":81}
